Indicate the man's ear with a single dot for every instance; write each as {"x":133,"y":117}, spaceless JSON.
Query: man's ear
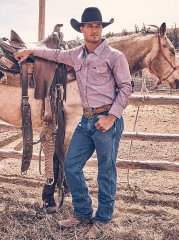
{"x":81,"y":28}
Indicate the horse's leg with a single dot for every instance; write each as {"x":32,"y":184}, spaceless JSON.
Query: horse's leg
{"x":144,"y":78}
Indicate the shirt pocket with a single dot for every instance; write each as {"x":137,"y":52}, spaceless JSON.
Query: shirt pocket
{"x":99,"y":75}
{"x":99,"y":69}
{"x":77,"y":67}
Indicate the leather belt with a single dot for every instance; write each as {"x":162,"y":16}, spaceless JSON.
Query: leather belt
{"x":90,"y":112}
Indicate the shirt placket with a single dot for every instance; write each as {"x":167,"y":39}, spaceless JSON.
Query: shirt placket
{"x":85,"y":79}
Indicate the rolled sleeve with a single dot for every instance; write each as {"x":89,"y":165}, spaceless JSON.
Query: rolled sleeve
{"x":123,"y":80}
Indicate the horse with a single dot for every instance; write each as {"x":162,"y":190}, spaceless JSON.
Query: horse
{"x":152,"y":50}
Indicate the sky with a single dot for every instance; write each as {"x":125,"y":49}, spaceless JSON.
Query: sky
{"x":22,"y":15}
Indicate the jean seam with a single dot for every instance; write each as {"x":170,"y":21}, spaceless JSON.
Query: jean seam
{"x":112,"y":152}
{"x":112,"y":158}
{"x":82,"y":188}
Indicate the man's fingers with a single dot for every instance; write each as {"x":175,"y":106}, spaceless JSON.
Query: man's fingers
{"x":97,"y":124}
{"x":22,"y":60}
{"x":17,"y":55}
{"x":21,"y":55}
{"x":100,"y":127}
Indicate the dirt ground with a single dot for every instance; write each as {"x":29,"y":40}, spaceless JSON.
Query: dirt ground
{"x":147,"y":209}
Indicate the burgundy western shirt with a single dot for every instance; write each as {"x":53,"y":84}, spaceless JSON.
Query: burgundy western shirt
{"x":103,"y":76}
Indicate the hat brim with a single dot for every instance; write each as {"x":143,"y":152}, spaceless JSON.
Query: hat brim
{"x":76,"y":25}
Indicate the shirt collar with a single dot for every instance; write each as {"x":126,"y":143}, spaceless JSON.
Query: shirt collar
{"x":101,"y":47}
{"x":98,"y":50}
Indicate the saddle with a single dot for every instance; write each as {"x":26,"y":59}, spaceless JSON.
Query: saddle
{"x":42,"y":71}
{"x":49,"y":80}
{"x":44,"y":76}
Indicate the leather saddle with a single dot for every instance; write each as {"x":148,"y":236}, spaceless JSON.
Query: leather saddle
{"x":46,"y":75}
{"x":43,"y":71}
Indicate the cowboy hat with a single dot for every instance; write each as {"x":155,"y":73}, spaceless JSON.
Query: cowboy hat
{"x":91,"y":14}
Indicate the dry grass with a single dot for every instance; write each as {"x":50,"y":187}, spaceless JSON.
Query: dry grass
{"x":148,"y":209}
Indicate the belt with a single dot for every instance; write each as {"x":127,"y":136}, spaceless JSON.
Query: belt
{"x":90,"y":112}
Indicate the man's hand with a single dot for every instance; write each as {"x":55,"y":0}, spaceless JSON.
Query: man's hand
{"x":105,"y":122}
{"x":22,"y":55}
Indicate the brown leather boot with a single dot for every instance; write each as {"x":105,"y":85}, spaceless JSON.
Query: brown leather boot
{"x":72,"y":222}
{"x":96,"y":230}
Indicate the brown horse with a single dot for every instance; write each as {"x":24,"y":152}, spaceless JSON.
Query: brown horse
{"x":152,"y":51}
{"x":146,"y":50}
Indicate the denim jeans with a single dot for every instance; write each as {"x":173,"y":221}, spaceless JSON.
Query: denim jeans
{"x":86,"y":139}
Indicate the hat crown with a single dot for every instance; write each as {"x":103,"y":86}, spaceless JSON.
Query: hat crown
{"x":91,"y":14}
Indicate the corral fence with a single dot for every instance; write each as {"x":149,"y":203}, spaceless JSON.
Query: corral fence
{"x":137,"y":100}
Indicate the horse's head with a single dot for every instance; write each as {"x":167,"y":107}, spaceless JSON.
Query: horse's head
{"x":165,"y":64}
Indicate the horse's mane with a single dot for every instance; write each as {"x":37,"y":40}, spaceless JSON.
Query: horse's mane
{"x":131,"y":36}
{"x":147,"y":31}
{"x":74,"y":43}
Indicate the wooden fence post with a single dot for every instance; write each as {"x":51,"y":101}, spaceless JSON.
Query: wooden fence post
{"x":41,"y":30}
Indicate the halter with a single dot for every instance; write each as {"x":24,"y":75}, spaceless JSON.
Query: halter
{"x":173,"y":67}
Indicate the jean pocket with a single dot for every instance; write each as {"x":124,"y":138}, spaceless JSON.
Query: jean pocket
{"x":120,"y":126}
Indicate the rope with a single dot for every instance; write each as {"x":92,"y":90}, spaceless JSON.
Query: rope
{"x":48,"y":145}
{"x":131,"y":143}
{"x":40,"y":159}
{"x":134,"y":128}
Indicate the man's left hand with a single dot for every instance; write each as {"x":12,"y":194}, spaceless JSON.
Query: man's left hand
{"x":105,"y":122}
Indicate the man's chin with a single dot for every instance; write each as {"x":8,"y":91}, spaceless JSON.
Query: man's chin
{"x":95,"y":40}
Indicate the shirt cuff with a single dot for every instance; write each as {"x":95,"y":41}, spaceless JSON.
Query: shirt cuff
{"x":116,"y":110}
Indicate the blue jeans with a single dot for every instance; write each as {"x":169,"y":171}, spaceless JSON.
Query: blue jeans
{"x":85,"y":140}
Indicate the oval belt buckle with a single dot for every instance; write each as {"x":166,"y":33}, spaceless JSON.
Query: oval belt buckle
{"x":90,"y":113}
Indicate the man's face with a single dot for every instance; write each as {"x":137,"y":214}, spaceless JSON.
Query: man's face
{"x":92,"y":32}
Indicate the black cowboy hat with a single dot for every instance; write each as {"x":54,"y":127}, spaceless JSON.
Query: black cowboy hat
{"x":91,"y":14}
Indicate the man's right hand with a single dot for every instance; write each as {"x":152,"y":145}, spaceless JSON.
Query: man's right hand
{"x":22,"y":55}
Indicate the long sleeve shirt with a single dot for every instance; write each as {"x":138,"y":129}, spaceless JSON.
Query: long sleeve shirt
{"x":103,"y":75}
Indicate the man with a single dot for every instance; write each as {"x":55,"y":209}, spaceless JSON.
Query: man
{"x":104,"y":83}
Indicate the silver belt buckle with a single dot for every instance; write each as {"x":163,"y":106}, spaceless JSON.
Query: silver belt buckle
{"x":88,"y":112}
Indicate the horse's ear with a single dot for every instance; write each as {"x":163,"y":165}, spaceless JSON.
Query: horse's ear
{"x":15,"y":37}
{"x":162,"y":29}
